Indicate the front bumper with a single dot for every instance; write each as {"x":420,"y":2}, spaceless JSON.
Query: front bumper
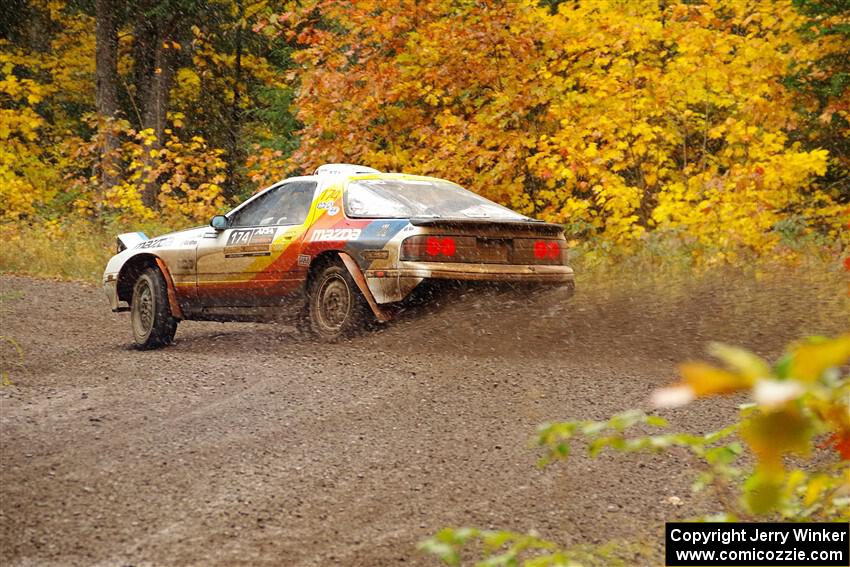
{"x":110,"y":288}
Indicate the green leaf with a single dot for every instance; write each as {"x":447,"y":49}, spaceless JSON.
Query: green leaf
{"x":763,"y":492}
{"x":656,"y":421}
{"x":445,"y":552}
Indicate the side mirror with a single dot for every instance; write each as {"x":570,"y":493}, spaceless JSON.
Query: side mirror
{"x":219,"y":222}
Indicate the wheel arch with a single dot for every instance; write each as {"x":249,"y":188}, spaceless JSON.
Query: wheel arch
{"x":131,"y":270}
{"x":330,"y":256}
{"x":138,"y":264}
{"x":318,"y":262}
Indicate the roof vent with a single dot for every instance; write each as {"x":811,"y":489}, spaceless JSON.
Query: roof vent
{"x":343,"y":169}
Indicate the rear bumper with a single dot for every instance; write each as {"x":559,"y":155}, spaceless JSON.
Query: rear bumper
{"x":479,"y":272}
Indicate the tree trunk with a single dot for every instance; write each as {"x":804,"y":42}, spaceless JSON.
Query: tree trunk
{"x":234,"y":151}
{"x":154,"y":75}
{"x":155,"y":104}
{"x":106,"y":83}
{"x":144,"y":60}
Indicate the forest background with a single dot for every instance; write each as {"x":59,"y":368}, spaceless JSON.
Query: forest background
{"x":711,"y":132}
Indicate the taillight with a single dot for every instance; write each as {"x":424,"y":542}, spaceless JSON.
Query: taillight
{"x":547,"y":249}
{"x":540,"y":251}
{"x":447,"y":246}
{"x":432,"y":248}
{"x":483,"y":249}
{"x":440,"y":246}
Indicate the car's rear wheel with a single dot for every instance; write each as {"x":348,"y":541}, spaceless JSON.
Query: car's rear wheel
{"x":150,"y":315}
{"x":336,"y":308}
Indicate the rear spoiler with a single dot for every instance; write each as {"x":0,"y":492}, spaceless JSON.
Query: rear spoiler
{"x":130,"y":240}
{"x":535,"y":225}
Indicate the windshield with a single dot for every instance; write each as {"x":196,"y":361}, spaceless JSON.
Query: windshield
{"x":419,"y":198}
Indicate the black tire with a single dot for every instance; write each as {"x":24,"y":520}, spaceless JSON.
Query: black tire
{"x":150,"y":314}
{"x":335,"y":306}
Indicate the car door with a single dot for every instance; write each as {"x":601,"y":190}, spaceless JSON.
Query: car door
{"x":254,"y":261}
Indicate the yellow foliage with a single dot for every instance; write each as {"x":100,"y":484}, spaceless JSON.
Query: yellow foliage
{"x":811,"y":358}
{"x":773,"y":435}
{"x":705,"y":379}
{"x":612,"y":117}
{"x":27,"y":178}
{"x":266,"y":166}
{"x":803,"y":395}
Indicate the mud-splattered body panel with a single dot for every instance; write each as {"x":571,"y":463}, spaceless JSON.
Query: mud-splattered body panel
{"x":268,"y":263}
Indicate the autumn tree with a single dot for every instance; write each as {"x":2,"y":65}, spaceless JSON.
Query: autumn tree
{"x":114,"y":110}
{"x":824,"y":82}
{"x":615,"y":118}
{"x":719,"y":125}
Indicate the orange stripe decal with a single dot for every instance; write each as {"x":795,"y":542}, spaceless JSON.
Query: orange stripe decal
{"x":355,"y":272}
{"x":176,"y":311}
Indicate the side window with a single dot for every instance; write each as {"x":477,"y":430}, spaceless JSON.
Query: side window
{"x":286,"y":204}
{"x":252,"y":213}
{"x":294,"y":203}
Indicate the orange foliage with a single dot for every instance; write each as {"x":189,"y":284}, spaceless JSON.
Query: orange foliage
{"x":612,"y":117}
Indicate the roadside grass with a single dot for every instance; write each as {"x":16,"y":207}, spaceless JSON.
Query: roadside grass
{"x":75,"y":250}
{"x":10,"y":295}
{"x":665,"y":262}
{"x":675,"y":275}
{"x":805,"y":291}
{"x":758,"y":300}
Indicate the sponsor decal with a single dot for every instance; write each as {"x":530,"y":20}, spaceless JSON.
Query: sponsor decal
{"x":246,"y":254}
{"x":155,"y":243}
{"x":185,"y":264}
{"x":303,"y":260}
{"x":375,"y":254}
{"x":189,"y":242}
{"x":333,"y":211}
{"x":331,"y":194}
{"x":335,"y":234}
{"x":383,"y":230}
{"x":249,"y":242}
{"x":263,"y":235}
{"x":325,"y":205}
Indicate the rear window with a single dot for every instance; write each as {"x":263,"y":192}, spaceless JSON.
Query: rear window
{"x":419,"y":198}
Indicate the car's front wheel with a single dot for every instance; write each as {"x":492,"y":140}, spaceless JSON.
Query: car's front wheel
{"x":336,"y":308}
{"x":152,"y":322}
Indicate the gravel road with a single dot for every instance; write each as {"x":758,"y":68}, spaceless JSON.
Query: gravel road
{"x":247,"y":444}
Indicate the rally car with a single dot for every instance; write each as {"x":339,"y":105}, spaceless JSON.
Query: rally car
{"x":339,"y":248}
